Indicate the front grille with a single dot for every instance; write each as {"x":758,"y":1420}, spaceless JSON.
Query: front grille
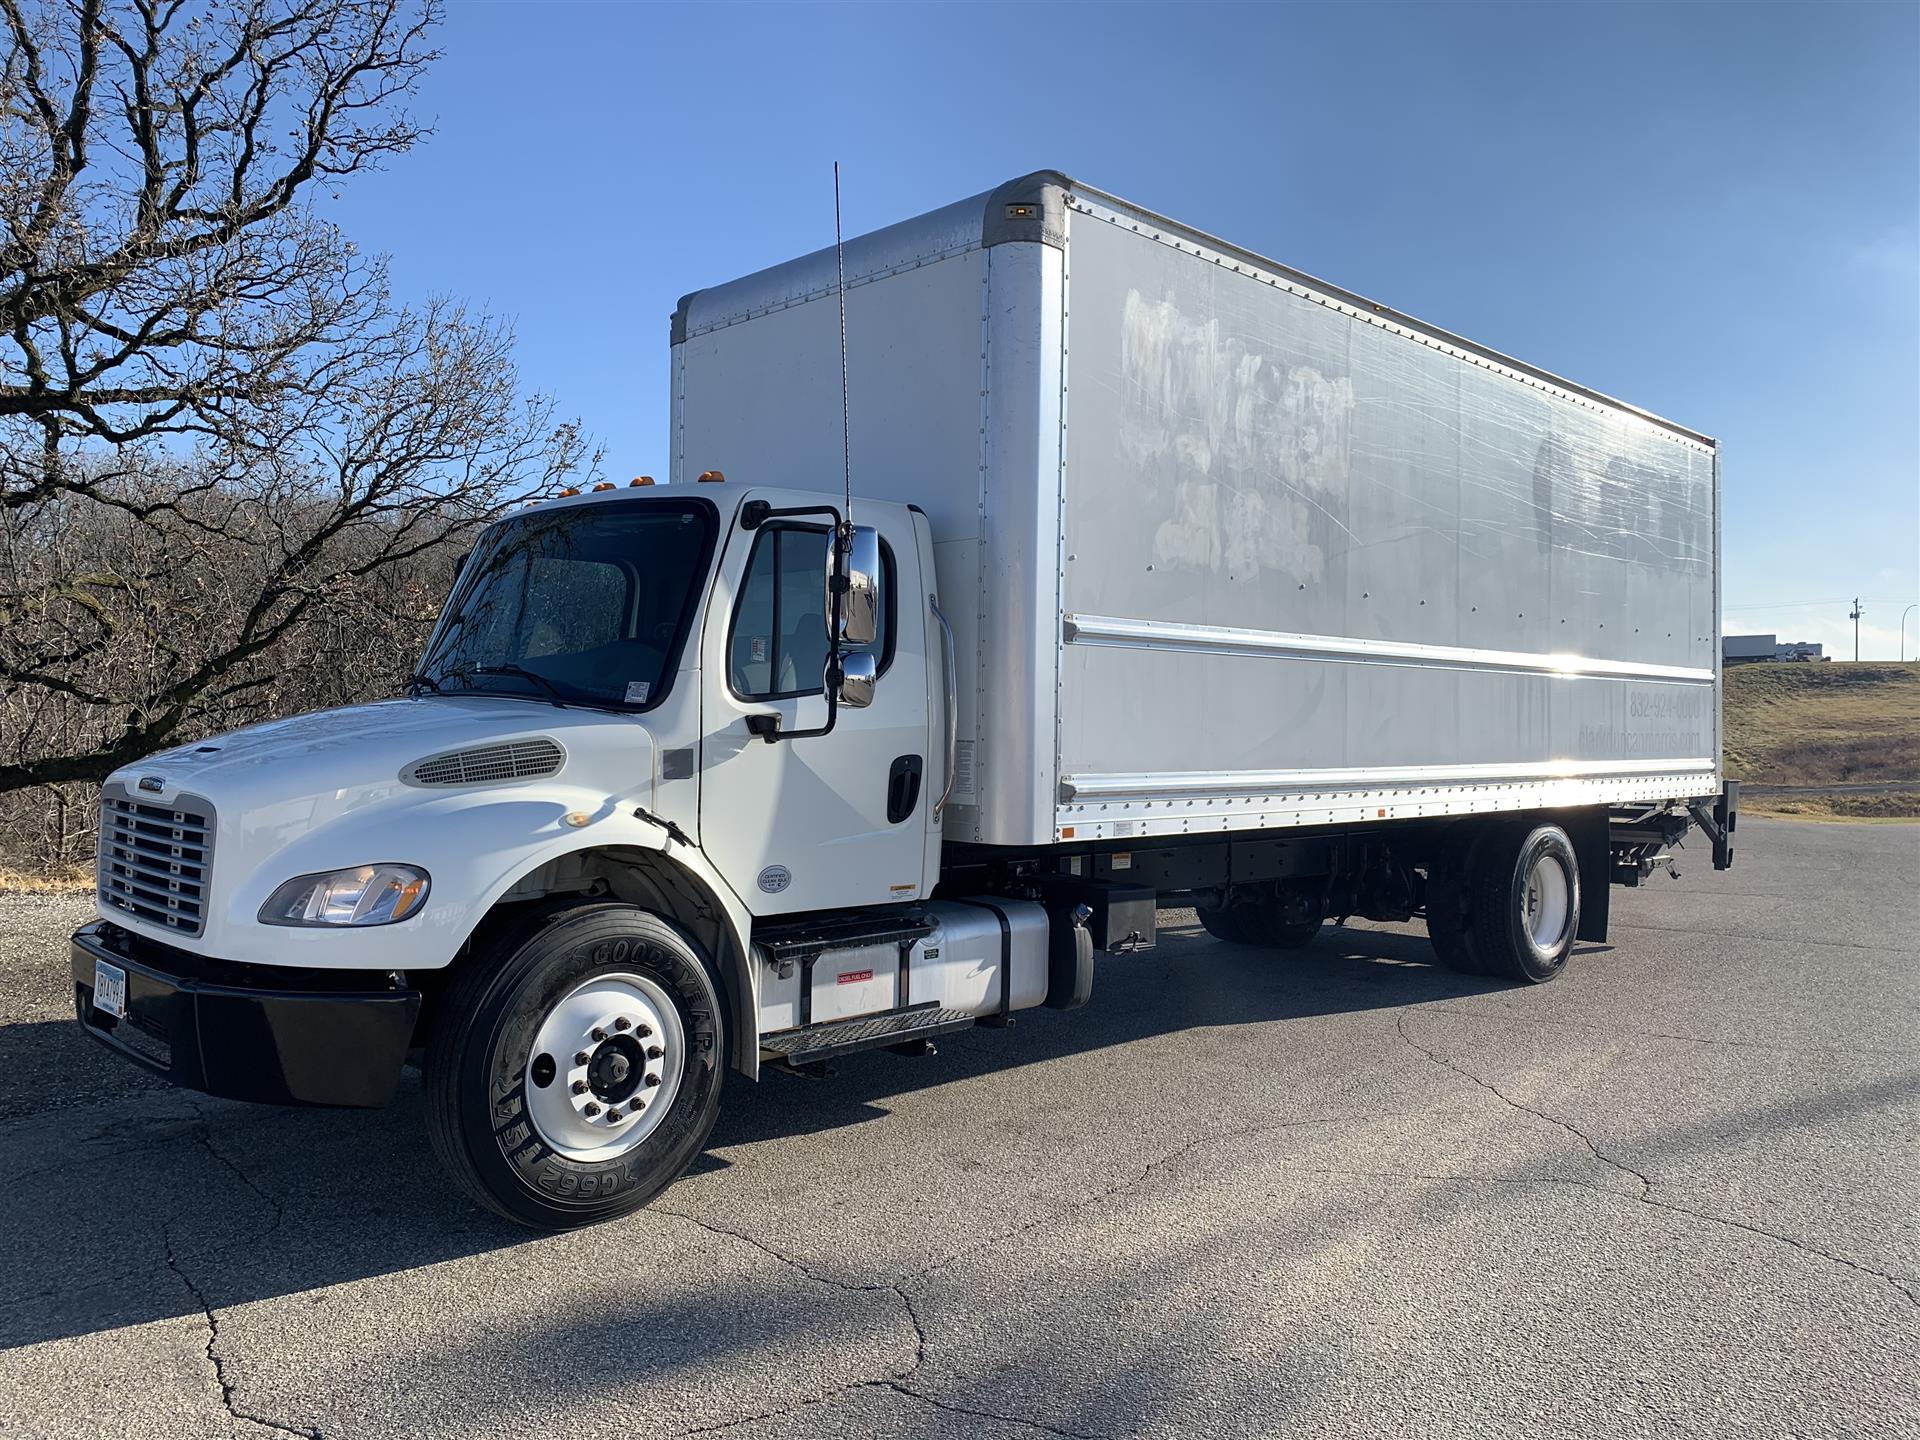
{"x":513,"y":760}
{"x":156,"y":861}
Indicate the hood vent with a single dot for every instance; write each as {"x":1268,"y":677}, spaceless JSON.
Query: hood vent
{"x":487,"y":764}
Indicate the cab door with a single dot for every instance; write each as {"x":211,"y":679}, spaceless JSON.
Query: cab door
{"x":823,"y":821}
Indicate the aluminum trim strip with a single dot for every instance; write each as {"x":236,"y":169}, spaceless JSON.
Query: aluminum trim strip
{"x":1116,"y":630}
{"x":153,"y":870}
{"x":1225,"y":814}
{"x":1268,"y":782}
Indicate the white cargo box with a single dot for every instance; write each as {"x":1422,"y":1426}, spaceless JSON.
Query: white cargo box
{"x":1227,"y":547}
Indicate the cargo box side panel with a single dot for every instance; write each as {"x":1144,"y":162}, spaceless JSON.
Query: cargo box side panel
{"x":1323,"y":567}
{"x":757,"y":397}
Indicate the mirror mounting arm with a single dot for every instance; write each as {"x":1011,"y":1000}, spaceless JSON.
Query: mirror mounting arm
{"x":756,"y":513}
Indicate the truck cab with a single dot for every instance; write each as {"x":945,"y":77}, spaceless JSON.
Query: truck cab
{"x":645,"y":703}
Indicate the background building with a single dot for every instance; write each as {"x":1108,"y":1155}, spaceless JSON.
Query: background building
{"x":1746,"y":649}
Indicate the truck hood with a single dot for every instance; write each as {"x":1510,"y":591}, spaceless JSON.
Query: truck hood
{"x":359,"y":747}
{"x":326,"y":790}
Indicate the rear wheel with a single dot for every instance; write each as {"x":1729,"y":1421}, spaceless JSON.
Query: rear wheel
{"x":1231,"y":923}
{"x":1263,"y":923}
{"x":1284,"y":934}
{"x":1526,"y":903}
{"x":574,"y":1070}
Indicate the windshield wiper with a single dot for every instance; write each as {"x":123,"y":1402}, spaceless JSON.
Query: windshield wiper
{"x":416,"y":682}
{"x":554,"y":692}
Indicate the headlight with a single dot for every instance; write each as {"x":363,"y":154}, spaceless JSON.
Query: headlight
{"x":364,"y":895}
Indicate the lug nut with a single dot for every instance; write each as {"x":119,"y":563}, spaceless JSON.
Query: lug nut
{"x":654,"y":1052}
{"x":581,"y":1057}
{"x":643,"y":1030}
{"x":636,"y":1105}
{"x":622,"y":1023}
{"x":651,"y":1081}
{"x":579,"y":1087}
{"x":598,"y":1033}
{"x":613,"y":1112}
{"x":592,"y":1109}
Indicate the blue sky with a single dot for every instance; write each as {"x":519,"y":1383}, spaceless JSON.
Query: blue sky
{"x":1712,"y":211}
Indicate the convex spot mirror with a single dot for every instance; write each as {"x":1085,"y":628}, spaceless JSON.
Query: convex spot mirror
{"x":860,"y":607}
{"x":857,"y":675}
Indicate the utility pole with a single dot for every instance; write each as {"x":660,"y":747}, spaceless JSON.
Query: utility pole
{"x":1855,"y":617}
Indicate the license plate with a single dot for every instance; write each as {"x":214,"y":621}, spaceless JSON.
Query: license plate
{"x":110,"y":989}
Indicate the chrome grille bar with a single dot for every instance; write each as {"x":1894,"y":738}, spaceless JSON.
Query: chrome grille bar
{"x":155,"y":861}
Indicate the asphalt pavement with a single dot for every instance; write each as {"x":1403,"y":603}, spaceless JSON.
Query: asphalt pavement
{"x":1340,"y":1192}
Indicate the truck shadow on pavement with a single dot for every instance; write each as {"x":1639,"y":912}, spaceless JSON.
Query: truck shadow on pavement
{"x":145,"y":1203}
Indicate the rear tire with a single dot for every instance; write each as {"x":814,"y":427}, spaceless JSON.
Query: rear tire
{"x":1526,"y":903}
{"x":1286,"y":934}
{"x":532,"y":1131}
{"x":1261,"y":924}
{"x":1229,"y":923}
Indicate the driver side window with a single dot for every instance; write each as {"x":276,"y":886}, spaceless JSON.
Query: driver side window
{"x":778,"y":647}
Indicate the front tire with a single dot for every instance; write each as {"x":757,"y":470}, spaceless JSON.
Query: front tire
{"x":574,"y":1069}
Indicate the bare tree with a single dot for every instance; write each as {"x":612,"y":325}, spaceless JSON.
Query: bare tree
{"x":220,"y":436}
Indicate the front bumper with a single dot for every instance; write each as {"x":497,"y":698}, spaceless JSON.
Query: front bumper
{"x":283,"y":1037}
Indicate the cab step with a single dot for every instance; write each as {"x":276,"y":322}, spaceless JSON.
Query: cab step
{"x":812,"y":1044}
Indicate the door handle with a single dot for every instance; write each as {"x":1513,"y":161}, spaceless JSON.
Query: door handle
{"x":903,"y":788}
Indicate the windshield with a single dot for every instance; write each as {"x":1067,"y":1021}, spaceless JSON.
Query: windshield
{"x":587,"y":604}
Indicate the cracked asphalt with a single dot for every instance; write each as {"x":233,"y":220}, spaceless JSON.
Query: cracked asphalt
{"x":1675,"y":1193}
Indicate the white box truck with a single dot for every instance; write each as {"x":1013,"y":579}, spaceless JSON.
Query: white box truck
{"x":1166,"y":576}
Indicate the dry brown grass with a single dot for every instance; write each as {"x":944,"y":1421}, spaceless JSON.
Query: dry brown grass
{"x":56,"y":882}
{"x":1818,"y":725}
{"x":1880,"y":807}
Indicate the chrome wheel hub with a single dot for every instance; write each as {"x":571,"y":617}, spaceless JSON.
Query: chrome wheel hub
{"x":1547,"y":903}
{"x":604,"y":1066}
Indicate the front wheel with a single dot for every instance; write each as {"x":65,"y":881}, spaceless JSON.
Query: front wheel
{"x":575,"y":1067}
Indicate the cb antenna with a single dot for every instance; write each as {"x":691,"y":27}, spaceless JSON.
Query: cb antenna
{"x":840,"y":270}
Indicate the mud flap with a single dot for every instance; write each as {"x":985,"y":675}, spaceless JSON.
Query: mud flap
{"x":1589,"y":829}
{"x":1069,"y":958}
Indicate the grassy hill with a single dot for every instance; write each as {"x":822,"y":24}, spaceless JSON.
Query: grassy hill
{"x":1834,"y":739}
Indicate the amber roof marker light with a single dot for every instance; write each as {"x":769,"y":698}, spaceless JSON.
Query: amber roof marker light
{"x":711,"y":477}
{"x":640,"y":480}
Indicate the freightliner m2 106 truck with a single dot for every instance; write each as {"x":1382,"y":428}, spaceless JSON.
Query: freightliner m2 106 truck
{"x":1167,"y":576}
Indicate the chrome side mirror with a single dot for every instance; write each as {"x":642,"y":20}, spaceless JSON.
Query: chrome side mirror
{"x":857,"y":675}
{"x":860,"y":606}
